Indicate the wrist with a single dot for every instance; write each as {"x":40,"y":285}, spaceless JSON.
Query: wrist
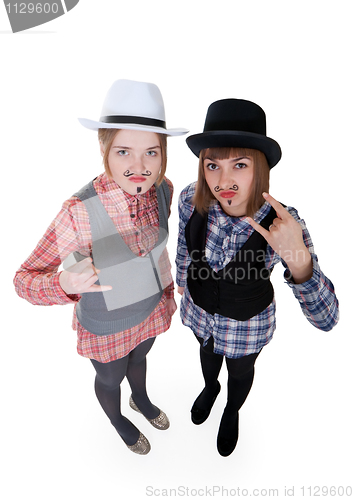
{"x":61,"y":293}
{"x":301,"y":268}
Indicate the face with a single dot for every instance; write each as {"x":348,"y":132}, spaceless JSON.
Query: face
{"x":230,"y":181}
{"x":135,"y":160}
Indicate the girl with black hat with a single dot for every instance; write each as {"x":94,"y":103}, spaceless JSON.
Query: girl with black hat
{"x":115,"y":229}
{"x":231,"y":235}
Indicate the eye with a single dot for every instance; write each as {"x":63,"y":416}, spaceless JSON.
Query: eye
{"x":240,"y":165}
{"x":211,"y":166}
{"x":122,"y":152}
{"x":151,"y":153}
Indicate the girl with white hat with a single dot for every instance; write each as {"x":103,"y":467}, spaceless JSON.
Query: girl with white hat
{"x":231,"y":235}
{"x":111,"y":236}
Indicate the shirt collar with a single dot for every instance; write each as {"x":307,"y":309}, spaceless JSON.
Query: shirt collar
{"x":237,"y":224}
{"x":262,"y":212}
{"x":122,"y":200}
{"x":142,"y":199}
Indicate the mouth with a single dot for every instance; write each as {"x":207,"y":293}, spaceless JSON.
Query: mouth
{"x":137,"y":179}
{"x":227,"y":194}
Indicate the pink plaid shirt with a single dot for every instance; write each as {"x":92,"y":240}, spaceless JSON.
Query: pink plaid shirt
{"x":37,"y":280}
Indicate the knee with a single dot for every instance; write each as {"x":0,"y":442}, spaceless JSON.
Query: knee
{"x":108,"y":382}
{"x":240,"y":373}
{"x":110,"y":375}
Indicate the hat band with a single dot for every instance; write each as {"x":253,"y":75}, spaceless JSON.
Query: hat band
{"x":139,"y":120}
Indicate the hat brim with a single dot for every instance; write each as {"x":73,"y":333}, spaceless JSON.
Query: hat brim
{"x":94,"y":125}
{"x":231,"y":138}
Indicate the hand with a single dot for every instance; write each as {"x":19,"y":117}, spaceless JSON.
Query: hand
{"x":285,"y":237}
{"x":180,"y":290}
{"x":171,"y":306}
{"x":80,"y":278}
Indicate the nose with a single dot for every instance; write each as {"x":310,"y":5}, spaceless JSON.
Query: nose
{"x":225,"y":180}
{"x":138,"y":164}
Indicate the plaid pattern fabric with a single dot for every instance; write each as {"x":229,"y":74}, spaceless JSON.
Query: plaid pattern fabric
{"x":136,"y":218}
{"x":225,"y":236}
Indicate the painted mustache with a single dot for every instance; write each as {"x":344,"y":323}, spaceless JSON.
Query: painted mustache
{"x":128,"y":173}
{"x":217,"y":189}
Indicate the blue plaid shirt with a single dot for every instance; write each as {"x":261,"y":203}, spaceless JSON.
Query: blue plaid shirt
{"x":225,"y":236}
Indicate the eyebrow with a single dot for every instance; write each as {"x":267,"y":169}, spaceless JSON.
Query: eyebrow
{"x":231,"y":159}
{"x":127,"y":147}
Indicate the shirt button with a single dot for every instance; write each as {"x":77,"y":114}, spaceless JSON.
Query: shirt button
{"x":132,"y":216}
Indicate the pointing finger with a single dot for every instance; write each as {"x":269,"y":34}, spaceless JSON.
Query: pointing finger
{"x":91,"y":287}
{"x":99,"y":288}
{"x":258,"y":227}
{"x":281,"y":211}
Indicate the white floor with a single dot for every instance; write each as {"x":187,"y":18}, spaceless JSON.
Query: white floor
{"x":295,"y":427}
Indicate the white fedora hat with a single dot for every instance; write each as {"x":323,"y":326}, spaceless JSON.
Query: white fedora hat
{"x":134,"y":106}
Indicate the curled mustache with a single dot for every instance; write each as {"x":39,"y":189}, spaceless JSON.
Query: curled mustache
{"x":217,"y":189}
{"x":128,"y":173}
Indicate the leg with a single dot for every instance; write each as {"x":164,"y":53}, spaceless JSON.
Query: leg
{"x":136,"y":375}
{"x":107,"y":386}
{"x":211,"y":365}
{"x":240,"y":379}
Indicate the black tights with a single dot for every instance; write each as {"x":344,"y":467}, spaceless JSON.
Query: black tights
{"x":107,"y":387}
{"x":240,"y":380}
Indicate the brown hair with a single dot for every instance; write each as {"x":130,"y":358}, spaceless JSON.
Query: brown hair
{"x":203,"y":197}
{"x":106,"y":137}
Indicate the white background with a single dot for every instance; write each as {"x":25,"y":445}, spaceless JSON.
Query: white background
{"x":295,"y":60}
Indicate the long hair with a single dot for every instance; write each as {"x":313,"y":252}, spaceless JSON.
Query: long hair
{"x":106,"y":137}
{"x":203,"y":197}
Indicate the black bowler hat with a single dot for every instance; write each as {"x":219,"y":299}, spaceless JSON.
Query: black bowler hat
{"x":235,"y":123}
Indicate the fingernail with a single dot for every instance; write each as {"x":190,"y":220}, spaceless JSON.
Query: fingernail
{"x":265,"y":195}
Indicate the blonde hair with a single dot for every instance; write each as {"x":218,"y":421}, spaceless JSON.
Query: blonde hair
{"x":106,"y":137}
{"x":203,"y":197}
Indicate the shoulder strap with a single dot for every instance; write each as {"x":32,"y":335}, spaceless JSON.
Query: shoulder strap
{"x":195,"y":231}
{"x":163,"y":198}
{"x":86,"y":192}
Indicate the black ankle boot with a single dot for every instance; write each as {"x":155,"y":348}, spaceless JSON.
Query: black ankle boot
{"x":228,"y":435}
{"x":199,"y":415}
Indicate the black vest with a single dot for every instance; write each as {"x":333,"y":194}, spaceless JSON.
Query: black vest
{"x":242,"y":289}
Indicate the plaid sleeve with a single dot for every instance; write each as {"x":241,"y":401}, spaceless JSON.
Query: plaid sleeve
{"x":185,"y":210}
{"x":316,"y":296}
{"x":169,"y":291}
{"x":37,"y":280}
